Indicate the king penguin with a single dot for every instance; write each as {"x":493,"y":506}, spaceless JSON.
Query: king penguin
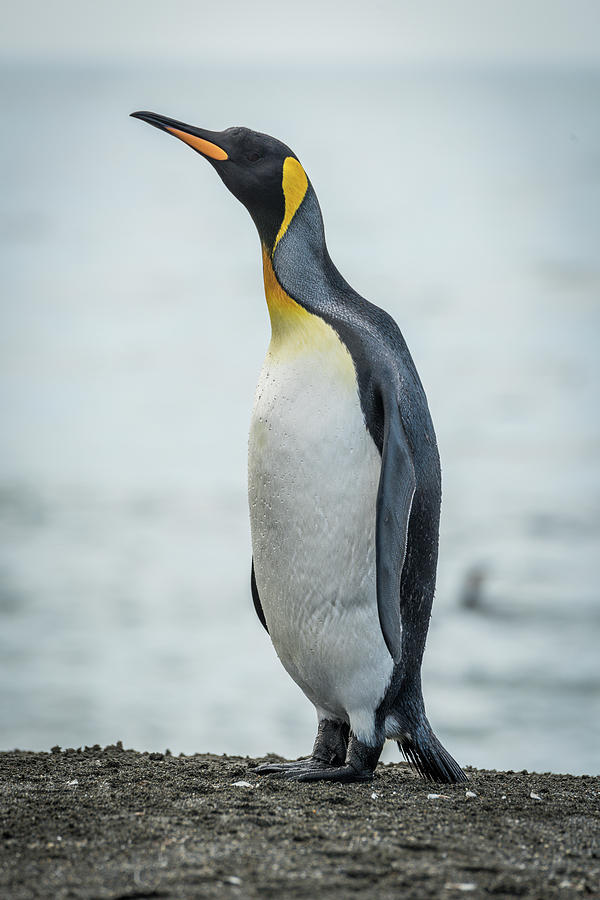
{"x":343,"y":481}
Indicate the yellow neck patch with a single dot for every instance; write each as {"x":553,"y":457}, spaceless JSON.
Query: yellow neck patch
{"x":295,"y":185}
{"x":295,"y":331}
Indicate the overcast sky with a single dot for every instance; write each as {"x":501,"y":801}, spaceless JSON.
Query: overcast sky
{"x":280,"y":31}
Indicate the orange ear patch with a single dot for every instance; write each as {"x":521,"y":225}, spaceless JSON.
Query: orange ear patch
{"x":198,"y":143}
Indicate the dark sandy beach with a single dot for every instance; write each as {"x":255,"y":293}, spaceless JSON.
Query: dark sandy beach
{"x":116,"y":823}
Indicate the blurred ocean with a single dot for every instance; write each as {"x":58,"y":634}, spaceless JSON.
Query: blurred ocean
{"x":466,"y":203}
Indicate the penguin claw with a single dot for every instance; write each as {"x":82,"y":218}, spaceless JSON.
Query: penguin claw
{"x":341,"y":774}
{"x":278,"y":768}
{"x":293,"y":770}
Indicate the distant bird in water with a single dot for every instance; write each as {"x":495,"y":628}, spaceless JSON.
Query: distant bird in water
{"x":471,"y":594}
{"x":343,"y":481}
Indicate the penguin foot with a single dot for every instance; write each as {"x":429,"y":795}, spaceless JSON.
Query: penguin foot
{"x":359,"y":765}
{"x":299,"y":765}
{"x":329,"y":751}
{"x":342,"y":775}
{"x":302,"y":770}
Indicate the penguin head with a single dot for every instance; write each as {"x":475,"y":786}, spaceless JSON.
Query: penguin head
{"x":262,"y":172}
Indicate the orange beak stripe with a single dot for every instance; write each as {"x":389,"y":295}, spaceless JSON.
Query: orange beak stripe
{"x":199,"y":144}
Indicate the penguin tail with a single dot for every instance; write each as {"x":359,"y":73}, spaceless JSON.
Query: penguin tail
{"x":428,"y":756}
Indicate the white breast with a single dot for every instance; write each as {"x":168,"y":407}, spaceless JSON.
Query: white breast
{"x":312,"y":482}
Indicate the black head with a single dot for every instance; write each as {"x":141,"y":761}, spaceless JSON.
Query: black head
{"x":259,"y":170}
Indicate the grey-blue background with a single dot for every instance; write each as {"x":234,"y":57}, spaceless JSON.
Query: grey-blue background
{"x":462,"y":198}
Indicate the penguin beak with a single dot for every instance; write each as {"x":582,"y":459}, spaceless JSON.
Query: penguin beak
{"x":204,"y":142}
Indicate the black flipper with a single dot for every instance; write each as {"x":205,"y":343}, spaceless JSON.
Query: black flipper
{"x":256,"y":599}
{"x":397,"y":484}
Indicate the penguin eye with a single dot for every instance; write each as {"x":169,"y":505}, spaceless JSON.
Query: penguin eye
{"x":253,"y":156}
